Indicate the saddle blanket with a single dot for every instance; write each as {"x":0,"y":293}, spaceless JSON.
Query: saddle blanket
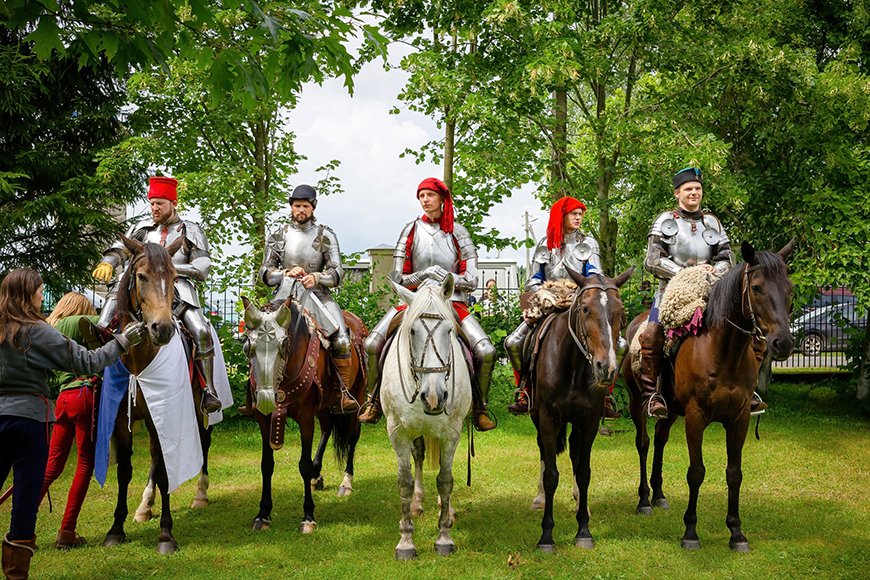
{"x":165,"y":385}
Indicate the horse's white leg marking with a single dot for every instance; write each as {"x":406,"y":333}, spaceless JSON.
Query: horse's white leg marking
{"x":143,"y":512}
{"x":539,"y":502}
{"x":611,"y":355}
{"x":346,"y":487}
{"x":405,"y":549}
{"x":200,"y":500}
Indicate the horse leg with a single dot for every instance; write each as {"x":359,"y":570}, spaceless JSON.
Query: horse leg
{"x":641,"y":443}
{"x":695,"y":477}
{"x":317,"y":464}
{"x":547,"y":437}
{"x":346,"y":487}
{"x":143,"y":512}
{"x":263,"y":521}
{"x":735,"y":434}
{"x":124,"y":450}
{"x":418,"y":451}
{"x":662,"y":435}
{"x":405,"y":549}
{"x":200,"y":500}
{"x":166,"y":545}
{"x":538,"y":502}
{"x":306,"y":470}
{"x":582,"y":438}
{"x":444,"y":544}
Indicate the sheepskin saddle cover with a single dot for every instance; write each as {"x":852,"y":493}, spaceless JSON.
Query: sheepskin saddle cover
{"x":550,"y":297}
{"x":686,"y":294}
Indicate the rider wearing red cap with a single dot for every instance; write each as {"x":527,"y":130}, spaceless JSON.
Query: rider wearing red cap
{"x":192,"y":262}
{"x":430,"y":247}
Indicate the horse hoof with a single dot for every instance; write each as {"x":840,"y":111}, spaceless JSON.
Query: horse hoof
{"x":585,"y":543}
{"x":199,"y":503}
{"x":261,"y":524}
{"x":644,"y":510}
{"x":114,"y":540}
{"x":307,"y":527}
{"x":405,"y":554}
{"x":661,"y":503}
{"x":538,"y":505}
{"x":445,"y":549}
{"x":547,"y":548}
{"x":142,"y":516}
{"x":741,"y":547}
{"x":317,"y":484}
{"x":690,"y":544}
{"x":416,"y":510}
{"x":167,"y":548}
{"x":344,"y":491}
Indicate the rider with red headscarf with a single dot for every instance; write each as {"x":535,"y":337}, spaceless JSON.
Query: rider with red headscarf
{"x":564,"y":247}
{"x":429,"y":248}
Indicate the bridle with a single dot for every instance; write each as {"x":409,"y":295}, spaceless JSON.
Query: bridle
{"x":756,"y":332}
{"x":446,"y":366}
{"x":133,"y":290}
{"x":582,"y":339}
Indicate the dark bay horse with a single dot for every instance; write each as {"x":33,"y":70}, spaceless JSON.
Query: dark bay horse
{"x":577,"y":362}
{"x":713,"y":377}
{"x":145,"y":292}
{"x":293,"y":378}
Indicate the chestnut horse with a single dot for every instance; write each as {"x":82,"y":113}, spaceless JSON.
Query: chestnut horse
{"x":293,"y":379}
{"x":576,"y":366}
{"x":145,"y":292}
{"x":713,"y":377}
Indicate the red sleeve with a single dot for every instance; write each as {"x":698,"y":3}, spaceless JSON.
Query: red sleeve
{"x":407,"y":267}
{"x":462,"y":264}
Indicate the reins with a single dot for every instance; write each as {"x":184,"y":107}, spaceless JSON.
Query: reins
{"x":581,"y":342}
{"x":446,"y":366}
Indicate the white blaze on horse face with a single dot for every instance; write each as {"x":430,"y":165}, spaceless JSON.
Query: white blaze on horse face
{"x":608,"y":333}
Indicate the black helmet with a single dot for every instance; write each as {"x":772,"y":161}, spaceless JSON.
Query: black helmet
{"x":305,"y":192}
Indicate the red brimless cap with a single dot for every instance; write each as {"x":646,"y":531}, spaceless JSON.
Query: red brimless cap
{"x":164,"y":187}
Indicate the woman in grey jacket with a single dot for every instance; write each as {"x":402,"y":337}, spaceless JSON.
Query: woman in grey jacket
{"x":29,"y":348}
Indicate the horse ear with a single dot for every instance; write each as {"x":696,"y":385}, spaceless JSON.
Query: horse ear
{"x":578,"y":278}
{"x":447,"y":286}
{"x":132,"y":245}
{"x":245,"y":301}
{"x":174,"y":246}
{"x":787,"y":251}
{"x":623,"y":278}
{"x":748,"y":253}
{"x":406,"y":295}
{"x":253,"y":317}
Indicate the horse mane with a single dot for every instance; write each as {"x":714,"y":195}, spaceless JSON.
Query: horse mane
{"x":160,"y":263}
{"x":428,"y":298}
{"x":726,"y":298}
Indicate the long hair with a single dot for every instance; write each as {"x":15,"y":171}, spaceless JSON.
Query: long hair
{"x":16,"y":303}
{"x":72,"y":304}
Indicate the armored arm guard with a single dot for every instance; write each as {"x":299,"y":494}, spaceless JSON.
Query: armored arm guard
{"x":467,"y":280}
{"x":658,"y":261}
{"x":538,"y":273}
{"x":332,"y":272}
{"x":722,"y":260}
{"x":595,"y":259}
{"x":118,"y":253}
{"x":272,"y":271}
{"x":397,"y":275}
{"x":198,"y":255}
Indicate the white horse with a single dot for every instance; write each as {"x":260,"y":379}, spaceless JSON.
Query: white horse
{"x":425,"y":392}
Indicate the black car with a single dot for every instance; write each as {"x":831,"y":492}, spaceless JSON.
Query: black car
{"x":826,"y":328}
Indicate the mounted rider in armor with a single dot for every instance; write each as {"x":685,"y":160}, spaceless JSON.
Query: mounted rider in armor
{"x":565,"y":246}
{"x":430,"y":247}
{"x":192,"y":262}
{"x":304,"y":257}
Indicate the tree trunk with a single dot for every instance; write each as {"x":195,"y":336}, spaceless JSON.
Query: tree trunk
{"x":449,"y":137}
{"x":559,"y":167}
{"x":863,"y":389}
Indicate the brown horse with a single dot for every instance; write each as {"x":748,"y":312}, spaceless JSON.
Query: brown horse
{"x":713,"y":377}
{"x":293,"y":377}
{"x":578,"y":361}
{"x":145,"y":292}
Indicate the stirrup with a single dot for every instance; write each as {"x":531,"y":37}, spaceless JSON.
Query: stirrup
{"x":664,"y":407}
{"x":370,"y":412}
{"x":610,"y":409}
{"x":348,"y":403}
{"x":521,"y":406}
{"x":481,"y":415}
{"x":760,"y":406}
{"x":209,"y":403}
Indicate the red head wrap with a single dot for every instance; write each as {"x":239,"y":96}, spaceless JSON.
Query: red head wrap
{"x":163,"y":187}
{"x":436,"y":185}
{"x":557,"y":214}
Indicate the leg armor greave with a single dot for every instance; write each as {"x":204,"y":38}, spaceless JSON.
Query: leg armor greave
{"x":374,"y":346}
{"x":513,"y":344}
{"x":484,"y":354}
{"x":108,"y":311}
{"x":340,"y":339}
{"x":196,"y":324}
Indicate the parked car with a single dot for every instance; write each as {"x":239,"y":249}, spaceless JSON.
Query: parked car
{"x":825,"y":329}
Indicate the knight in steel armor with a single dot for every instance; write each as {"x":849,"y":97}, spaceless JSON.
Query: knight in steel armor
{"x":430,"y":247}
{"x":303,"y":259}
{"x":678,"y":239}
{"x":192,"y":262}
{"x":565,"y":246}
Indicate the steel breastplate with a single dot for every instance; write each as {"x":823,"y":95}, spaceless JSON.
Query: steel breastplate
{"x":433,"y":247}
{"x":299,"y":249}
{"x":691,"y":242}
{"x":174,"y":232}
{"x":564,"y":258}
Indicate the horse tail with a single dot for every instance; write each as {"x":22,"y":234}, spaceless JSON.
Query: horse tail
{"x":341,"y":442}
{"x":433,"y":452}
{"x":562,"y":439}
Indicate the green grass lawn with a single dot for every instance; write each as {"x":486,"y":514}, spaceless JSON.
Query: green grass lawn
{"x":803,"y":505}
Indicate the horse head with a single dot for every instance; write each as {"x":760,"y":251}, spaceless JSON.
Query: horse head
{"x":264,"y":348}
{"x":595,"y":320}
{"x":147,"y":288}
{"x":426,"y":342}
{"x":766,"y":290}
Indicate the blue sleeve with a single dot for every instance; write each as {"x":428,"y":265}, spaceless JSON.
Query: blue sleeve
{"x":589,"y":269}
{"x":540,"y":276}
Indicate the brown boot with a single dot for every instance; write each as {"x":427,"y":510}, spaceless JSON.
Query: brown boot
{"x":521,"y":407}
{"x":482,"y":422}
{"x":67,"y":540}
{"x":16,"y":557}
{"x":610,"y":414}
{"x":345,"y":368}
{"x":652,"y":342}
{"x":371,"y":412}
{"x":756,"y":405}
